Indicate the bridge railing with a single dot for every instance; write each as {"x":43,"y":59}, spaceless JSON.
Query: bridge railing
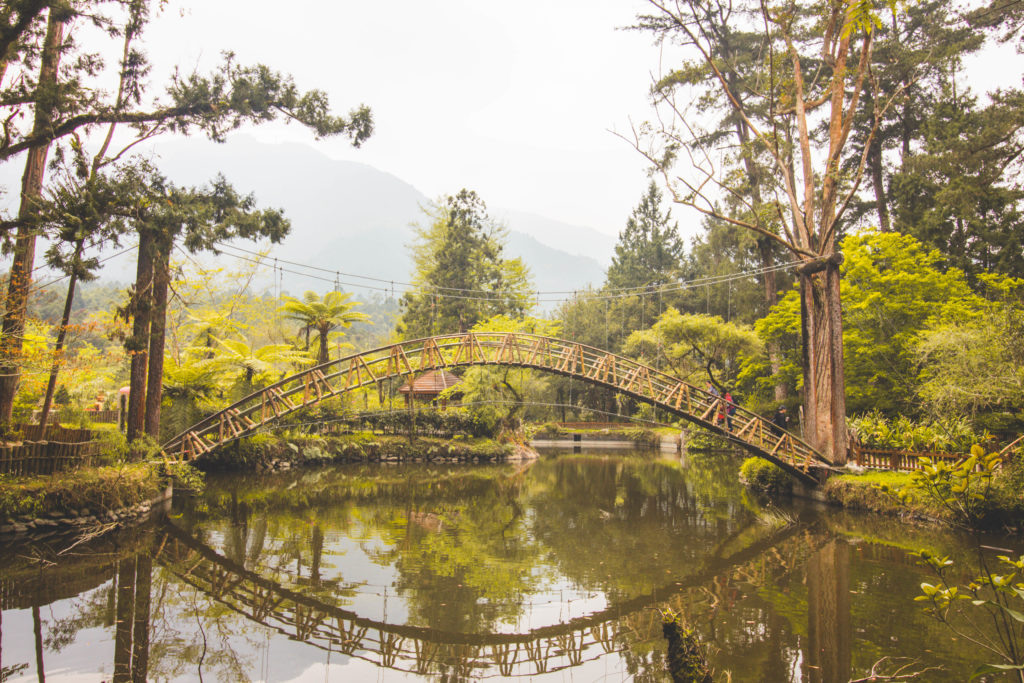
{"x":558,"y":356}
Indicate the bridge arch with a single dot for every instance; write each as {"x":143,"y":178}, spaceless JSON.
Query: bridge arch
{"x":558,"y":356}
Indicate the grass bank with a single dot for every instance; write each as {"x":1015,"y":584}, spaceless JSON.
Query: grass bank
{"x":642,"y":437}
{"x":993,"y":504}
{"x":86,"y":492}
{"x":863,"y":492}
{"x":274,"y":451}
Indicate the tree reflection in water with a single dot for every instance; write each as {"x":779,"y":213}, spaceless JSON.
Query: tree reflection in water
{"x":449,"y":572}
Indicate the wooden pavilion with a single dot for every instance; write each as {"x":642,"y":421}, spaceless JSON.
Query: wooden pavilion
{"x":428,"y":386}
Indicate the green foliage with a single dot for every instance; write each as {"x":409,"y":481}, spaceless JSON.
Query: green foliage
{"x":991,"y":601}
{"x":896,"y":293}
{"x":765,"y":477}
{"x":185,"y":476}
{"x":975,"y":363}
{"x":460,"y":272}
{"x":430,"y":422}
{"x":941,"y":435}
{"x":962,"y":490}
{"x":649,"y":252}
{"x":96,"y":488}
{"x":322,"y":315}
{"x":216,"y":103}
{"x":254,"y":365}
{"x":956,"y":191}
{"x":696,"y":346}
{"x":494,"y":394}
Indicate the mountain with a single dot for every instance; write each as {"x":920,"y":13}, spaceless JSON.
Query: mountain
{"x":350,"y":218}
{"x":353,"y":219}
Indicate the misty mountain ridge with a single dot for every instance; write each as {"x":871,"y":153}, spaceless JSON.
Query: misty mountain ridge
{"x":350,"y":217}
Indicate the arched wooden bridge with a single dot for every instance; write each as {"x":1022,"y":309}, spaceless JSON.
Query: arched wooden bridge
{"x":559,"y":356}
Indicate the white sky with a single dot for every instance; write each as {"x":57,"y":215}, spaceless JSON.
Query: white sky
{"x":513,"y":100}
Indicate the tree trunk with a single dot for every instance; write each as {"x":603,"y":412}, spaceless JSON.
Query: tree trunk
{"x":138,"y":344}
{"x":62,"y":331}
{"x":125,"y":621}
{"x":140,"y":632}
{"x":878,"y":183}
{"x":37,"y":631}
{"x":771,"y":297}
{"x":13,"y":327}
{"x":157,"y":335}
{"x":829,"y":634}
{"x":324,"y":355}
{"x":824,"y":390}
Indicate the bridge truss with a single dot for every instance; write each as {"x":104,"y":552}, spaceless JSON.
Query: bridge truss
{"x":559,"y":356}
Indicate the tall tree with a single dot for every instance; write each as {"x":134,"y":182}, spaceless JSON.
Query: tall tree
{"x":164,"y":216}
{"x":649,"y":252}
{"x":800,"y":117}
{"x":322,"y":315}
{"x":12,"y":328}
{"x":461,"y":276}
{"x":74,"y":99}
{"x":959,"y":189}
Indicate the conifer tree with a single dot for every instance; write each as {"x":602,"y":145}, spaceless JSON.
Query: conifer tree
{"x":461,"y":274}
{"x":649,"y":253}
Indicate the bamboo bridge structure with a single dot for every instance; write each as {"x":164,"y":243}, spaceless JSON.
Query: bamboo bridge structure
{"x":588,"y":364}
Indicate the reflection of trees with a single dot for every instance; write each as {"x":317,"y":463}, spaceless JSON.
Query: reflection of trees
{"x":455,"y":536}
{"x":640,"y":509}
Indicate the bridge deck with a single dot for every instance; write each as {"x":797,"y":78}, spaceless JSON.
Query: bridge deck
{"x":559,"y":356}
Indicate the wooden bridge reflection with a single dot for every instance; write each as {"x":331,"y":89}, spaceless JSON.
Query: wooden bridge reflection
{"x":416,"y":649}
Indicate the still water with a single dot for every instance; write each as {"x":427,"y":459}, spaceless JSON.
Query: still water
{"x":554,"y":570}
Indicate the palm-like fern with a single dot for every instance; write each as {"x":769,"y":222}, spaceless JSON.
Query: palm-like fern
{"x":238,"y":355}
{"x":322,"y":315}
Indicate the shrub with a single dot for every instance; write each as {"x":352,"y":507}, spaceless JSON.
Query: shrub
{"x":763,"y":476}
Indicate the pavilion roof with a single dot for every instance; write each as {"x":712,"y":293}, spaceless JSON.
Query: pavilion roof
{"x":430,"y":383}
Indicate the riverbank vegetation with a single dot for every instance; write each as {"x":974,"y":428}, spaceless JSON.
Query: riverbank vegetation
{"x":92,"y":491}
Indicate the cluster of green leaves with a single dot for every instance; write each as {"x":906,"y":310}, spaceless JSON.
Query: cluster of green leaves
{"x":696,"y":346}
{"x":322,"y":315}
{"x":765,"y":477}
{"x":994,"y":622}
{"x":962,"y":490}
{"x":952,"y":434}
{"x":910,"y":324}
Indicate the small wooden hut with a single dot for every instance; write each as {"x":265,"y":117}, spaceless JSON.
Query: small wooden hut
{"x":428,"y":386}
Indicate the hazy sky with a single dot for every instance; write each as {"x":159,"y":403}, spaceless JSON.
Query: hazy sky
{"x":514,"y":100}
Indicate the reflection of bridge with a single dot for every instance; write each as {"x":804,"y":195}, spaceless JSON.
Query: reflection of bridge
{"x":417,"y":649}
{"x":558,"y":356}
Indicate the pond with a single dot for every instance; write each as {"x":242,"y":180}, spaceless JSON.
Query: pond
{"x":553,"y":570}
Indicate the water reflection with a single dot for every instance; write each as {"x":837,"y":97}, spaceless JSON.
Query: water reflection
{"x":462,"y":572}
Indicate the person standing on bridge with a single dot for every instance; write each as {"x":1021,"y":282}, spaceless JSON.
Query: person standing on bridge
{"x":730,"y":409}
{"x":780,"y":421}
{"x":717,"y":401}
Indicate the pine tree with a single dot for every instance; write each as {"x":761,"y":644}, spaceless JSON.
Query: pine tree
{"x":461,"y":275}
{"x":649,"y":253}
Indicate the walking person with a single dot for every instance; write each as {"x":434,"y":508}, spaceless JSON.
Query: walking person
{"x":780,"y":421}
{"x":716,"y":398}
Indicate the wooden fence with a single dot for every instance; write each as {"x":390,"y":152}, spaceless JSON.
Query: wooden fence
{"x":96,"y":416}
{"x":64,"y":449}
{"x":595,"y":425}
{"x":903,"y":461}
